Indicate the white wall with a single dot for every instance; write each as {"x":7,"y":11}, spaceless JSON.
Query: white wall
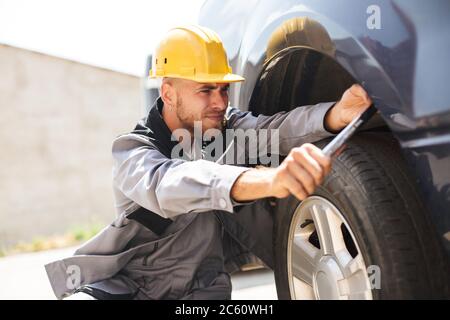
{"x":58,"y":119}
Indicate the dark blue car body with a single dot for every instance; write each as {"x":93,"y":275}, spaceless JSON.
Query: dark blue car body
{"x":402,"y":59}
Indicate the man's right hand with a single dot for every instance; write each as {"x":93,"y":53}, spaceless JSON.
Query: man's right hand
{"x":299,"y":174}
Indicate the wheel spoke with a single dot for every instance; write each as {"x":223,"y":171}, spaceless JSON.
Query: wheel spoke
{"x":328,"y":227}
{"x":302,"y":290}
{"x":355,"y":287}
{"x":356,"y":284}
{"x":304,"y":259}
{"x":354,"y":265}
{"x":345,"y":260}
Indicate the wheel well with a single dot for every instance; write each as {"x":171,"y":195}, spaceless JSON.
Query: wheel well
{"x":300,"y":76}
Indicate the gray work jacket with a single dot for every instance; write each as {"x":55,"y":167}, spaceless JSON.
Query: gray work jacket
{"x":180,"y":256}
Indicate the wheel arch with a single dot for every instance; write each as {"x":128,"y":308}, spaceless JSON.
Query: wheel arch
{"x":300,"y":55}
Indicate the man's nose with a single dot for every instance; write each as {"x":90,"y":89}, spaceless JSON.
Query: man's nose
{"x":219,"y":101}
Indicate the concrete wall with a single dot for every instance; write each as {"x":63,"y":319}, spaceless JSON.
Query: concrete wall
{"x":58,"y":119}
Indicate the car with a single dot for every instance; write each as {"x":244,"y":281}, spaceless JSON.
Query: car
{"x":379,"y":226}
{"x":151,"y":90}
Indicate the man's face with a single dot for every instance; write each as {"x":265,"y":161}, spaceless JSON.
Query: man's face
{"x":205,"y":102}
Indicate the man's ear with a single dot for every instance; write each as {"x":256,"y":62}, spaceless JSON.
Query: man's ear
{"x":168,"y":93}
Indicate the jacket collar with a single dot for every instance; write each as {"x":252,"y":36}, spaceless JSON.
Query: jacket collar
{"x":156,"y":130}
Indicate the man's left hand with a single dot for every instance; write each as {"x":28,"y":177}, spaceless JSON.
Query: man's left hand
{"x":353,"y":102}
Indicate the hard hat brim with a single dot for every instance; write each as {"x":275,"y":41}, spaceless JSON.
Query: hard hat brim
{"x":230,"y":77}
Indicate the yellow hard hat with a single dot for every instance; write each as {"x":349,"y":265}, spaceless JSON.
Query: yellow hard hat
{"x":194,"y":53}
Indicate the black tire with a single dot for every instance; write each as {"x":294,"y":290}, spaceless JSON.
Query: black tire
{"x":372,"y":189}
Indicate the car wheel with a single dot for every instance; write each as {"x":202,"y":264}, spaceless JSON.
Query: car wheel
{"x":364,"y":234}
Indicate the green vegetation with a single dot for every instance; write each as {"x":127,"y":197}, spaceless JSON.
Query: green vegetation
{"x":75,"y":235}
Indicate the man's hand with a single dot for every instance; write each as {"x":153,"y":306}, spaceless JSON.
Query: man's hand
{"x":353,"y":102}
{"x":305,"y":167}
{"x":299,"y":174}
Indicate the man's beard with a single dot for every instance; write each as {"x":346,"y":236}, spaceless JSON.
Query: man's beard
{"x":187,"y":120}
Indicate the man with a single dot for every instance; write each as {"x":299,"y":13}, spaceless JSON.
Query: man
{"x":184,"y":223}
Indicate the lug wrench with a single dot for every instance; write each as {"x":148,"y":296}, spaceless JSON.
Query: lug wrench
{"x":346,"y":133}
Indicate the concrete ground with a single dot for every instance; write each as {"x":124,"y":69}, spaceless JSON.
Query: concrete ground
{"x":23,"y":277}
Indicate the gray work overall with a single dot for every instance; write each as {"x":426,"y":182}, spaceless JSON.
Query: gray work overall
{"x":178,"y":233}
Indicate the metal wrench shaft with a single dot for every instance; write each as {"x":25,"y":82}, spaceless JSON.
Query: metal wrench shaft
{"x":346,"y":133}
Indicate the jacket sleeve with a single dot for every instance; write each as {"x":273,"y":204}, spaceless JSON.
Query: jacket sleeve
{"x":170,"y":187}
{"x":298,"y":126}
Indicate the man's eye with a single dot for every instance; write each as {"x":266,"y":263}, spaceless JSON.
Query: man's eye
{"x":205,"y":91}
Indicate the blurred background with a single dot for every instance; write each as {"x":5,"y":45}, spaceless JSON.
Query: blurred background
{"x":72,"y":78}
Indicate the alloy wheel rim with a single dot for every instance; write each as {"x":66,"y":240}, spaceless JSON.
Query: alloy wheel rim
{"x":323,"y":257}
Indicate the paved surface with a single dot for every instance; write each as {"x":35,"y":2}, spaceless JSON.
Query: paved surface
{"x":23,"y":277}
